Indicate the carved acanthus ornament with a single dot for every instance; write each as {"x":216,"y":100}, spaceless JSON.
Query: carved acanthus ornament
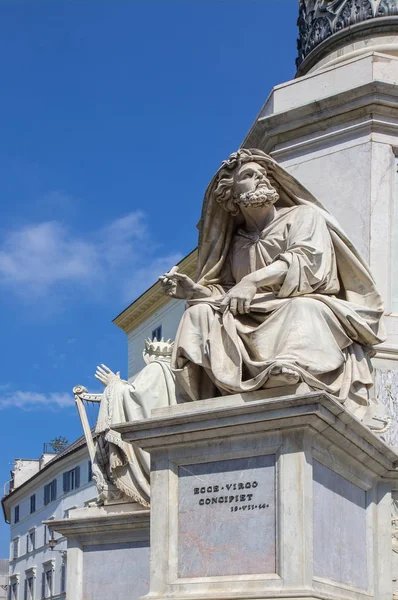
{"x":319,"y":19}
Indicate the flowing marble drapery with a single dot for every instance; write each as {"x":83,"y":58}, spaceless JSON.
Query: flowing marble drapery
{"x":322,"y":321}
{"x":127,"y":466}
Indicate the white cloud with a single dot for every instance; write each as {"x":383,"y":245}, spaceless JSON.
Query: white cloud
{"x":43,"y":258}
{"x":34,"y":400}
{"x":45,"y":254}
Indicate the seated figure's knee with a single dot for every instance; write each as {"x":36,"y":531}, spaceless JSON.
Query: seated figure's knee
{"x":198,"y":312}
{"x":199,"y":309}
{"x":303,"y":303}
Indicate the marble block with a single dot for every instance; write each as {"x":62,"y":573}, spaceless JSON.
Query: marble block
{"x":255,"y":497}
{"x":340,"y":551}
{"x":105,"y":572}
{"x":108,"y":551}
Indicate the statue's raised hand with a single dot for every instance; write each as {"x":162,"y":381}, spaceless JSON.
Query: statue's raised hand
{"x":105,"y":375}
{"x":177,"y":284}
{"x":239,"y":297}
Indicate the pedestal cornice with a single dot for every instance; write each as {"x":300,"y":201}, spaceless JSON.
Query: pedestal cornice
{"x":244,"y":414}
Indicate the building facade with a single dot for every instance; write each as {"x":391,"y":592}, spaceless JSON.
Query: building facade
{"x":40,"y":491}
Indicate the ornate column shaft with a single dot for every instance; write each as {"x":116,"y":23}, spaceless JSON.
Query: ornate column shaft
{"x":329,"y":25}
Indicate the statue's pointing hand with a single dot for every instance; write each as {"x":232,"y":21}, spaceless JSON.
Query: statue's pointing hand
{"x":177,"y":284}
{"x":105,"y":375}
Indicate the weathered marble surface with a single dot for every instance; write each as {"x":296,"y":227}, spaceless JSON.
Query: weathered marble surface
{"x":116,"y":571}
{"x":226,"y":518}
{"x":299,"y":431}
{"x":340,"y":551}
{"x":108,"y":551}
{"x":386,"y":387}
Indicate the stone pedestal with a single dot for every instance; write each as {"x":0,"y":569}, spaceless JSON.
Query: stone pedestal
{"x":267,"y":498}
{"x":108,"y":552}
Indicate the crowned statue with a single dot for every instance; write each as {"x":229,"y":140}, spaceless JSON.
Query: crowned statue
{"x":281,"y":294}
{"x":120,"y":470}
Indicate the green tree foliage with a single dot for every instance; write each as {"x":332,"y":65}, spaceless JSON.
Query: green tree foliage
{"x":59,"y":443}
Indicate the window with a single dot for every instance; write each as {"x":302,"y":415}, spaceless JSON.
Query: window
{"x":72,"y":479}
{"x":29,"y":587}
{"x":90,"y":471}
{"x":63,"y":576}
{"x":157,"y":333}
{"x":50,"y":491}
{"x":13,"y":589}
{"x":16,"y":514}
{"x":15,"y":548}
{"x":47,"y":532}
{"x":32,"y":503}
{"x":47,"y":581}
{"x":31,"y":540}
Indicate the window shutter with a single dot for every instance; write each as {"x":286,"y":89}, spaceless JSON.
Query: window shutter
{"x":50,"y":582}
{"x":43,"y":585}
{"x":27,"y":543}
{"x":66,"y":482}
{"x":46,"y":494}
{"x":90,"y":470}
{"x":77,"y":477}
{"x":25,"y":592}
{"x":54,"y":486}
{"x":63,"y":577}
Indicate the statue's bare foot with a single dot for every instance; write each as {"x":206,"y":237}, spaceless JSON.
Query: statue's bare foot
{"x":284,"y":375}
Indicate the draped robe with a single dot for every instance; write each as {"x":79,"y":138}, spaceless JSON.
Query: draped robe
{"x":127,"y":466}
{"x":322,"y":321}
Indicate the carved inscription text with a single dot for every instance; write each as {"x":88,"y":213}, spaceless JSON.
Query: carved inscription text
{"x":226,"y":517}
{"x":218,"y":496}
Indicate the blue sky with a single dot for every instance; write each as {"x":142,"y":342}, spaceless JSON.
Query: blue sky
{"x":114,"y":116}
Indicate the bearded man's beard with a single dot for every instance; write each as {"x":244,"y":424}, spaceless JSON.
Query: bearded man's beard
{"x":261,"y":196}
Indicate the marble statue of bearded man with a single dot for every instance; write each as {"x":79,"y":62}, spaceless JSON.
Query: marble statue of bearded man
{"x":281,"y":294}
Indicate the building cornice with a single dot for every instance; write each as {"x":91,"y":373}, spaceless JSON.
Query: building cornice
{"x":118,"y":522}
{"x":153,"y":299}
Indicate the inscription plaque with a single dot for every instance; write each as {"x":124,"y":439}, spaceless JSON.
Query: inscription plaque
{"x":226,"y":517}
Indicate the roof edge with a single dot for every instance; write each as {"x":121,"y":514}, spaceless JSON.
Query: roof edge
{"x":76,"y":446}
{"x":153,"y":298}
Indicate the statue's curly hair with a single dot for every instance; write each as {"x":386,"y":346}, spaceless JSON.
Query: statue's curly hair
{"x":223,"y":192}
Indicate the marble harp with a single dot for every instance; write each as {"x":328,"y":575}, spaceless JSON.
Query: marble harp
{"x":81,"y":395}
